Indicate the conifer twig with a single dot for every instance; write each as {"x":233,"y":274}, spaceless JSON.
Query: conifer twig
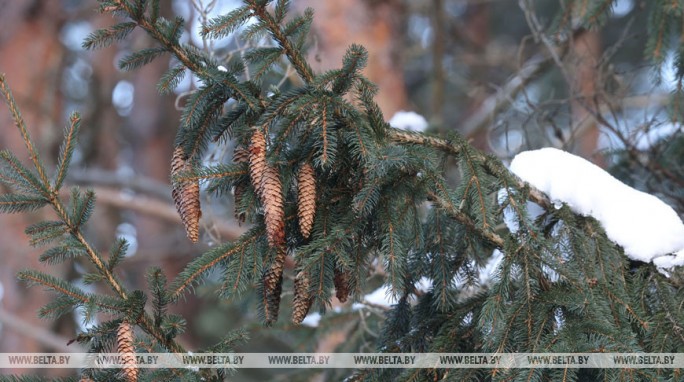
{"x":73,"y":227}
{"x":21,"y":125}
{"x":493,"y":166}
{"x":465,"y":220}
{"x":298,"y":61}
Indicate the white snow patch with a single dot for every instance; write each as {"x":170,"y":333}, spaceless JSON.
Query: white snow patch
{"x":381,"y":296}
{"x":222,"y":68}
{"x":424,"y":284}
{"x":312,"y":320}
{"x":646,"y":227}
{"x":408,"y":120}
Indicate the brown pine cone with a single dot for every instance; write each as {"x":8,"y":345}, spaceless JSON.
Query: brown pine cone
{"x":272,"y":199}
{"x":257,"y":159}
{"x":341,"y":281}
{"x":272,"y":302}
{"x":306,"y":199}
{"x":186,"y":196}
{"x":302,"y":299}
{"x":126,"y":347}
{"x":273,"y":286}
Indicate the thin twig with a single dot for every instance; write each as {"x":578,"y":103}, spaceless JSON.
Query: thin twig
{"x":407,"y":137}
{"x":137,"y":183}
{"x":479,"y":120}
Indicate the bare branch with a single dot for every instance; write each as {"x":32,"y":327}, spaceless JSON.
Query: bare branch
{"x":161,"y":209}
{"x":137,"y":183}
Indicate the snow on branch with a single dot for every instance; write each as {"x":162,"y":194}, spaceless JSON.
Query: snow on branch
{"x":648,"y":229}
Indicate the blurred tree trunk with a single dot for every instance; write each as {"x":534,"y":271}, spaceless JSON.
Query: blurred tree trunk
{"x":585,"y":54}
{"x":378,"y":26}
{"x":476,"y":36}
{"x":438,"y":73}
{"x":31,"y":55}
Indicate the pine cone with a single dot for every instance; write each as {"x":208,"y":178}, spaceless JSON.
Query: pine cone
{"x":273,"y":286}
{"x":272,"y":302}
{"x":126,"y":347}
{"x":275,"y":271}
{"x":257,"y":159}
{"x":306,"y":203}
{"x":302,"y":300}
{"x":341,"y":281}
{"x":272,"y":199}
{"x":186,"y":196}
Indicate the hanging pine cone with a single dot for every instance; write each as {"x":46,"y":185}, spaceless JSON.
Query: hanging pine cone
{"x":186,"y":196}
{"x":272,"y":199}
{"x":306,"y":199}
{"x":341,"y":281}
{"x":302,"y":299}
{"x":272,"y":282}
{"x":272,"y":302}
{"x":126,"y":348}
{"x":257,"y":159}
{"x":275,"y":271}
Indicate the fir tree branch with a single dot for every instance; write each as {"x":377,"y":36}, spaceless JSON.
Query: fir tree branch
{"x":67,"y":149}
{"x":21,"y":125}
{"x":145,"y":321}
{"x":294,"y":55}
{"x":493,"y":166}
{"x":73,"y":227}
{"x":202,"y":264}
{"x":465,"y":220}
{"x":148,"y":25}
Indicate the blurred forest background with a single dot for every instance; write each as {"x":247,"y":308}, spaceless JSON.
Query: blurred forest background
{"x":483,"y":68}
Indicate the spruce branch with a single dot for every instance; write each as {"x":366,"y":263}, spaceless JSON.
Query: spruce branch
{"x":72,"y":218}
{"x":105,"y":37}
{"x":66,"y":150}
{"x":21,"y":125}
{"x":198,"y":267}
{"x":492,"y":165}
{"x":294,"y":55}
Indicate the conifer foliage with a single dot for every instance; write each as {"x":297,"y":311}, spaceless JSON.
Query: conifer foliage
{"x":321,"y":177}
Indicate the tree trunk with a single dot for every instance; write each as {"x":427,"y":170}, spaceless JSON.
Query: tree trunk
{"x":377,"y":26}
{"x":585,"y":53}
